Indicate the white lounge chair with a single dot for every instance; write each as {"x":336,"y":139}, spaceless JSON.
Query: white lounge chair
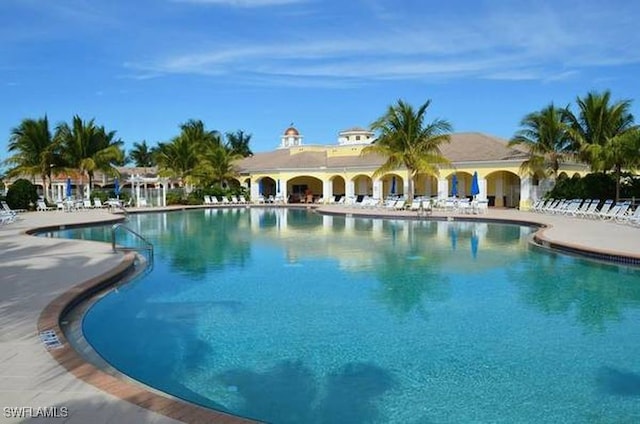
{"x":603,"y":209}
{"x":42,"y":206}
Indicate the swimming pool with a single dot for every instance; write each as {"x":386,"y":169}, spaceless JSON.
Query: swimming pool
{"x":289,"y":316}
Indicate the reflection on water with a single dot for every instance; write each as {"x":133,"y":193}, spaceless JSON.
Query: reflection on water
{"x":290,"y":316}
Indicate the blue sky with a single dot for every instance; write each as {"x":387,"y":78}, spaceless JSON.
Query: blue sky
{"x":142,"y":67}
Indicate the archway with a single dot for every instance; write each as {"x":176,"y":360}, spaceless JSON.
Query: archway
{"x":392,"y":185}
{"x":266,"y":186}
{"x":363,"y":186}
{"x":503,"y":189}
{"x":304,"y":189}
{"x":339,"y":187}
{"x":463,"y":185}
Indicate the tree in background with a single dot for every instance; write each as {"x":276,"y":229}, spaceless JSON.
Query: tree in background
{"x":405,"y":139}
{"x":238,"y":143}
{"x":87,"y":148}
{"x":598,"y":132}
{"x":141,"y":155}
{"x":544,"y":134}
{"x":34,"y":151}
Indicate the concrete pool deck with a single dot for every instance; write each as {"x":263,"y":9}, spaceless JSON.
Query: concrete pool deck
{"x":37,"y":270}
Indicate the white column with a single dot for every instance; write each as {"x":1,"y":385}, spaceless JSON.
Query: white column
{"x":525,"y":193}
{"x":350,"y":187}
{"x":482,"y":185}
{"x":405,"y":186}
{"x":427,"y":186}
{"x":164,"y":194}
{"x":327,"y":190}
{"x":137,"y":183}
{"x":283,"y":190}
{"x":443,"y":188}
{"x":377,"y":189}
{"x":255,"y":191}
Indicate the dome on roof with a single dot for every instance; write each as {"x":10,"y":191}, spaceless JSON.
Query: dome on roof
{"x":291,"y":131}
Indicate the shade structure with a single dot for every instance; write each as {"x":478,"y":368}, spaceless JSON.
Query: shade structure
{"x":68,"y":187}
{"x":394,"y":184}
{"x":116,"y":187}
{"x":260,"y":187}
{"x":475,"y":187}
{"x":454,"y":185}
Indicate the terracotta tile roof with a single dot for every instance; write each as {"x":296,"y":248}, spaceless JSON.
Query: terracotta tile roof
{"x":464,"y":147}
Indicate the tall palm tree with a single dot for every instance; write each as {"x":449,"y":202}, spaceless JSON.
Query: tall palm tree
{"x":178,"y":158}
{"x":194,"y":131}
{"x":87,"y":147}
{"x":594,"y":130}
{"x":620,"y":152}
{"x":141,"y":155}
{"x":406,"y":140}
{"x":238,"y":142}
{"x":545,"y":136}
{"x":35,"y":152}
{"x":217,"y":165}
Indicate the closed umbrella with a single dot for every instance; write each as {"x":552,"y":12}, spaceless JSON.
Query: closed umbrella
{"x":475,"y":188}
{"x":393,"y":185}
{"x":68,"y":188}
{"x":278,"y":186}
{"x":454,"y":186}
{"x":116,"y":188}
{"x":260,"y":189}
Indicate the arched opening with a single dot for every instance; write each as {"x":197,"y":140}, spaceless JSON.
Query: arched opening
{"x":503,"y":189}
{"x":392,"y":185}
{"x":463,"y":184}
{"x":363,"y":186}
{"x":426,"y":186}
{"x":266,"y":187}
{"x":338,"y":187}
{"x":304,"y":189}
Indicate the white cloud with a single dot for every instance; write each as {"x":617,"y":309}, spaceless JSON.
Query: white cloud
{"x":503,"y":44}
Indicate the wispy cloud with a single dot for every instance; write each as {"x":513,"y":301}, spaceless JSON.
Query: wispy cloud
{"x":503,"y":44}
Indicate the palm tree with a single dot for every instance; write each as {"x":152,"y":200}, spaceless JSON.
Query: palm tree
{"x":217,"y":165}
{"x":88,"y":148}
{"x":194,"y":132}
{"x":35,"y":151}
{"x":620,"y":152}
{"x":405,"y":140}
{"x":178,"y":159}
{"x":141,"y":155}
{"x":596,"y":126}
{"x":545,"y":136}
{"x":238,"y":142}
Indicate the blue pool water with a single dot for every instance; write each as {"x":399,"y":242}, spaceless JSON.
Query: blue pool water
{"x":292,"y":317}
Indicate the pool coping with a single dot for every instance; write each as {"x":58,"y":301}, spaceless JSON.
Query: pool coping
{"x":178,"y":409}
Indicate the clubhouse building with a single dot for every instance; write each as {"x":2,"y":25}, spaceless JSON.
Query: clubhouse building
{"x":332,"y":171}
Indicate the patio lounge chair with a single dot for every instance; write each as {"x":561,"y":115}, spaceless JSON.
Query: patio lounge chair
{"x":42,"y":206}
{"x":603,"y":209}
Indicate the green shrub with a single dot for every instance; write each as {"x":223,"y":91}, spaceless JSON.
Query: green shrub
{"x":22,"y":194}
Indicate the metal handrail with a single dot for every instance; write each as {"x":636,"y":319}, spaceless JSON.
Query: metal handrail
{"x":114,"y":227}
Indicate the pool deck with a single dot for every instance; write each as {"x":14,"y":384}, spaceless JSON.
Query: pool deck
{"x":35,"y":271}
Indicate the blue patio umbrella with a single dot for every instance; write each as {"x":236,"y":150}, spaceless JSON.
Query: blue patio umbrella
{"x":475,"y":188}
{"x":116,"y":187}
{"x":393,"y":185}
{"x":260,"y":189}
{"x":454,"y":185}
{"x":68,"y":188}
{"x":278,"y":186}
